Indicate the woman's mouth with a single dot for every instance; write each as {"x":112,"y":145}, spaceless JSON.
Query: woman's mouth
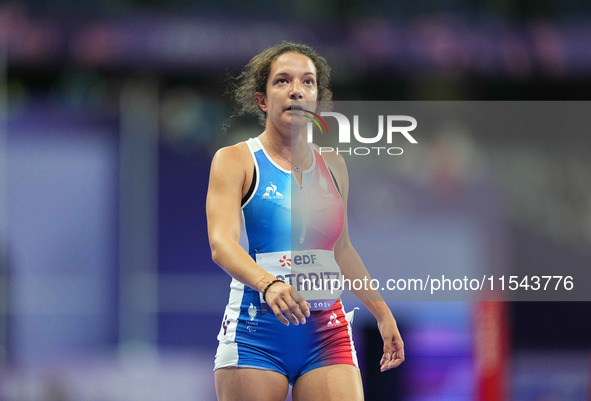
{"x":294,"y":107}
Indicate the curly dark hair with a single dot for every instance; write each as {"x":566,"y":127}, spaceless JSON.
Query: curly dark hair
{"x":254,"y":76}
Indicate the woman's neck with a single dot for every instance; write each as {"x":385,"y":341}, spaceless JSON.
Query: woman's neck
{"x":292,"y":152}
{"x":288,"y":142}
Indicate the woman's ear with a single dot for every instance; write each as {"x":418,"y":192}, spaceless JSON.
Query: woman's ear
{"x":261,"y":100}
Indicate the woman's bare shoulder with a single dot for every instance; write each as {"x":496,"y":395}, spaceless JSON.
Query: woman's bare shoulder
{"x":236,"y":155}
{"x":236,"y":151}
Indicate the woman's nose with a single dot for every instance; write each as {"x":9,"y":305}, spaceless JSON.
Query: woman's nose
{"x":296,"y":90}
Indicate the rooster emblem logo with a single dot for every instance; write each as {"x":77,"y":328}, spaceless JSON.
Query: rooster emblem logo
{"x":271,"y":192}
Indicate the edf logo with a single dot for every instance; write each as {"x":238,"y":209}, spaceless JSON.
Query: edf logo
{"x":304,"y":259}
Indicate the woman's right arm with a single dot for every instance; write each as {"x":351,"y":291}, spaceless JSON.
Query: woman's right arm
{"x":226,"y":182}
{"x":227,"y":177}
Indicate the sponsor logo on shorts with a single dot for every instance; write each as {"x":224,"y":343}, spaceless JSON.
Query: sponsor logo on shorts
{"x":271,"y":192}
{"x":333,"y":321}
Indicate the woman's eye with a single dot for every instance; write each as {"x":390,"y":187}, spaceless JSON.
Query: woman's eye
{"x":309,"y":82}
{"x":282,"y":81}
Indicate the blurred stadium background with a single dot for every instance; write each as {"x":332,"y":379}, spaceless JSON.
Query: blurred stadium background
{"x":110,"y":112}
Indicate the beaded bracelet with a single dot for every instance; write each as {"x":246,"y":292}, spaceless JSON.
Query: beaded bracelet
{"x":269,"y":285}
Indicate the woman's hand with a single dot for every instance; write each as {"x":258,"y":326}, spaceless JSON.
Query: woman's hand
{"x":393,"y":344}
{"x":287,"y":303}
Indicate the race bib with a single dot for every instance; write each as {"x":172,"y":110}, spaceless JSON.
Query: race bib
{"x":315,"y":274}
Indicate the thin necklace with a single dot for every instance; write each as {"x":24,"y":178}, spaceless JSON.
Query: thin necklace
{"x":296,"y":166}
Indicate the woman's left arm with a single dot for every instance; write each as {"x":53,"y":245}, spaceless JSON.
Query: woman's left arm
{"x":352,"y":268}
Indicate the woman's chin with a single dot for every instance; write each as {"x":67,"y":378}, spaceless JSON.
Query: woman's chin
{"x":298,"y":123}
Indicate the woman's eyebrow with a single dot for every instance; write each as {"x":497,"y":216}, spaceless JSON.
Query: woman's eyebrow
{"x":286,"y":74}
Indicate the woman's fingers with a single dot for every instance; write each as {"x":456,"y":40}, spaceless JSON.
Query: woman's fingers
{"x":280,"y":309}
{"x":296,"y":312}
{"x":393,"y":345}
{"x":287,"y":303}
{"x":302,"y":303}
{"x":390,"y":361}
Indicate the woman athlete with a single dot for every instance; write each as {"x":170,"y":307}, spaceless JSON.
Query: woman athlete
{"x":260,"y":353}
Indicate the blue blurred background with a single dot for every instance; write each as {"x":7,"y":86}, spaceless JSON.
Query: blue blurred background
{"x":110,"y":112}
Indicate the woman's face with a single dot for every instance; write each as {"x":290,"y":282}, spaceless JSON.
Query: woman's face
{"x":292,"y":79}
